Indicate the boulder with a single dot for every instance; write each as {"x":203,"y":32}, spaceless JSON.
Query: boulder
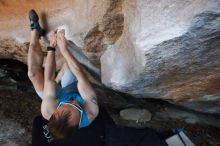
{"x":135,"y":114}
{"x":166,"y":50}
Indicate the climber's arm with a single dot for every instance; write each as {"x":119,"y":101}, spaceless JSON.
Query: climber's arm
{"x":91,"y":104}
{"x":85,"y":88}
{"x":48,"y":105}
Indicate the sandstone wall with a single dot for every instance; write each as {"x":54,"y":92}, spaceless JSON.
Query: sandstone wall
{"x":151,"y":49}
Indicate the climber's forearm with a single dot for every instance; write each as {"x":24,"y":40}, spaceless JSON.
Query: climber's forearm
{"x":50,"y":66}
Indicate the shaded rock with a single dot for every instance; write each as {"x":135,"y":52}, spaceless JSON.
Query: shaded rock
{"x":12,"y":133}
{"x":172,"y":112}
{"x":134,"y":114}
{"x":167,"y":53}
{"x":13,"y":76}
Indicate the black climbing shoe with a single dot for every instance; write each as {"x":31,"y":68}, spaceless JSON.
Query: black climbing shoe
{"x":34,"y":22}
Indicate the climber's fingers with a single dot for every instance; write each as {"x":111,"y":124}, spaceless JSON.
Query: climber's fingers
{"x":61,"y":41}
{"x":52,"y":38}
{"x":61,"y":32}
{"x":52,"y":34}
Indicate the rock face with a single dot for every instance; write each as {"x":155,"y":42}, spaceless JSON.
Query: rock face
{"x":168,"y":53}
{"x":150,"y":49}
{"x":134,"y":114}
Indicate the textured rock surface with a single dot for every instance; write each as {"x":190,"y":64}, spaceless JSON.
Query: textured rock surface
{"x":152,"y":49}
{"x":167,"y":52}
{"x":18,"y":104}
{"x":134,"y":114}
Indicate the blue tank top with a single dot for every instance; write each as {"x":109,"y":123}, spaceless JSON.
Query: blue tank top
{"x":75,"y":96}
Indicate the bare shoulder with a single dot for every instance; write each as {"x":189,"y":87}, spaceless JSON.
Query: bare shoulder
{"x":91,"y":108}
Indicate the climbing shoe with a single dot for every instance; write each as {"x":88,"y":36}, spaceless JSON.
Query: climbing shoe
{"x":34,"y":22}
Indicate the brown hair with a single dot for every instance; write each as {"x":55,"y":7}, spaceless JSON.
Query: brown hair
{"x":60,"y":127}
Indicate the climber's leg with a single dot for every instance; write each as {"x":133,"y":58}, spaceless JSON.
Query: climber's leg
{"x":66,"y":76}
{"x":35,"y":63}
{"x":35,"y":54}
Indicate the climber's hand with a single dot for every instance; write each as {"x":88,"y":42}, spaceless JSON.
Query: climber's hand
{"x":53,"y":39}
{"x":61,"y":41}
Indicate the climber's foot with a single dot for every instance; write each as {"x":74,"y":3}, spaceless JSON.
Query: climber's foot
{"x":34,"y":22}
